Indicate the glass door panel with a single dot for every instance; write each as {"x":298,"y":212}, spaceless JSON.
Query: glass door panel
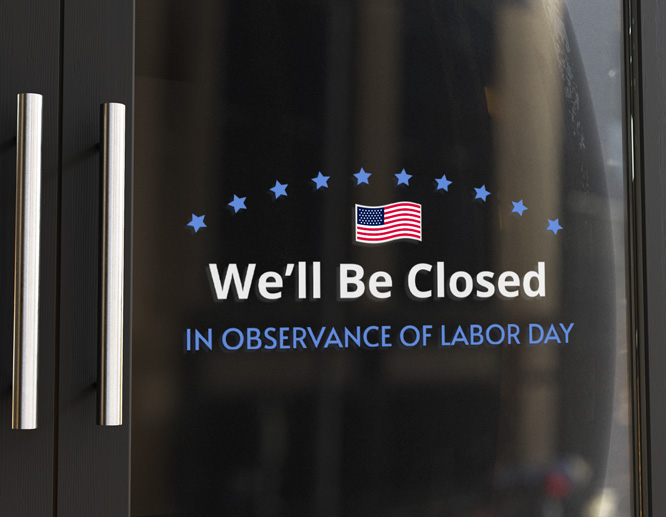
{"x":379,"y":259}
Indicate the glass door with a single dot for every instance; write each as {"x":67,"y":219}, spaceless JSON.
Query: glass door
{"x":380,"y":259}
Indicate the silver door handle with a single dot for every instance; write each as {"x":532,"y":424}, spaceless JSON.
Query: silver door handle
{"x":26,"y":260}
{"x":110,"y":375}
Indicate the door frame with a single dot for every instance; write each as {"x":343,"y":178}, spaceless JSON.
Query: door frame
{"x":646,"y":109}
{"x":93,"y":466}
{"x":29,"y":64}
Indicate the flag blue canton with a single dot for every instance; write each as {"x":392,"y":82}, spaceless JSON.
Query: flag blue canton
{"x":370,"y":216}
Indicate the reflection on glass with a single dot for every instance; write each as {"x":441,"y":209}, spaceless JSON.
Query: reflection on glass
{"x":479,"y":111}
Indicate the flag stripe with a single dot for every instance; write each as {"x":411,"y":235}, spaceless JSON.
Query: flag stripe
{"x":392,"y":223}
{"x":402,"y":213}
{"x":396,"y":213}
{"x":388,"y":217}
{"x":416,"y":220}
{"x":384,"y":234}
{"x":368,"y":231}
{"x":402,"y":209}
{"x":393,"y":227}
{"x":387,"y":239}
{"x":400,"y":204}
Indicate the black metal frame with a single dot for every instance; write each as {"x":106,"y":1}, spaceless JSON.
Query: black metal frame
{"x":98,"y":66}
{"x":29,"y":64}
{"x":646,"y":102}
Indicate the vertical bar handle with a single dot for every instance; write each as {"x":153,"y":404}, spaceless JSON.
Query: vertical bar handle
{"x":26,"y":260}
{"x":110,"y":374}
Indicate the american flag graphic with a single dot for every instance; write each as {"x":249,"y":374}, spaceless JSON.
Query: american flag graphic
{"x":376,"y":224}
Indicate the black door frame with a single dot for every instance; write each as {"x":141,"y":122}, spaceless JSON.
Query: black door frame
{"x":93,"y":462}
{"x":97,"y":65}
{"x":646,"y":102}
{"x":29,"y":63}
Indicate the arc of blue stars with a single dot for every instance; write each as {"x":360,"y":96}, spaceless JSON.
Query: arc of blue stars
{"x":321,"y":181}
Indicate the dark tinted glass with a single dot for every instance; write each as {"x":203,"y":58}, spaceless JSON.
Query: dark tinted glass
{"x":482,"y":371}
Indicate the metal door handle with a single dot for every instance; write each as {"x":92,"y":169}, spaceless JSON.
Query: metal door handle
{"x":26,"y":260}
{"x":110,"y":375}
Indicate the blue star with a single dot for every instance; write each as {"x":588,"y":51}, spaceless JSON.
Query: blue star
{"x":362,"y":177}
{"x":481,"y":193}
{"x":518,"y":207}
{"x":442,"y":183}
{"x":197,"y":222}
{"x":279,"y":189}
{"x":403,"y":178}
{"x":238,"y":203}
{"x":554,"y":225}
{"x":321,"y":181}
